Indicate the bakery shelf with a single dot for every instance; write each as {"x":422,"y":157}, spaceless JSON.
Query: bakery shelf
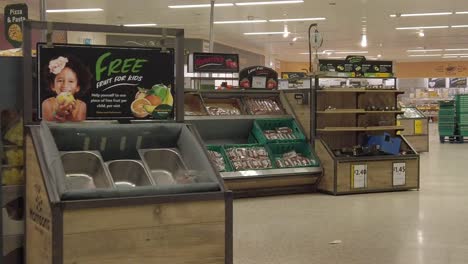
{"x":358,"y":129}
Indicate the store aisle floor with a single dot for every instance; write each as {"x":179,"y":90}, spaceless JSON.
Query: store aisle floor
{"x":429,"y":226}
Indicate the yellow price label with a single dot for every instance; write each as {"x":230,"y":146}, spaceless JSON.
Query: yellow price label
{"x":398,"y":123}
{"x":418,"y":127}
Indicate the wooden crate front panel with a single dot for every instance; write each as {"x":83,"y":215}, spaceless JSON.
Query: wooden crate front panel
{"x":408,"y":125}
{"x":379,"y":175}
{"x":259,"y":183}
{"x":191,"y":232}
{"x":38,"y":212}
{"x":327,"y":182}
{"x":419,"y":143}
{"x":301,"y":112}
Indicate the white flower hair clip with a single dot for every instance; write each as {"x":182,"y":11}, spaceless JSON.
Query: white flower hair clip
{"x":57,"y":65}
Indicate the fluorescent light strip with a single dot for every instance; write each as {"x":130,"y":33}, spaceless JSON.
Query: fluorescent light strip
{"x":265,"y":33}
{"x":424,"y":50}
{"x":270,"y":3}
{"x":240,"y":21}
{"x":454,"y":49}
{"x":424,"y":27}
{"x":297,"y":19}
{"x":457,"y":54}
{"x":200,"y":5}
{"x":425,"y":55}
{"x":74,"y":10}
{"x":140,"y":25}
{"x":335,"y":57}
{"x":459,"y":26}
{"x":464,"y":56}
{"x":351,"y":52}
{"x":423,"y":14}
{"x":462,"y":13}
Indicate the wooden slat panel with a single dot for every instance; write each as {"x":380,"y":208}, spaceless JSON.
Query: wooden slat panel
{"x":175,"y":244}
{"x":116,"y":218}
{"x":38,"y":211}
{"x":259,"y":183}
{"x":379,"y":175}
{"x":419,"y":143}
{"x":328,"y":165}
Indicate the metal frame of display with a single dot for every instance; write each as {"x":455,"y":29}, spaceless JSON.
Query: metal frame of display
{"x":58,"y":206}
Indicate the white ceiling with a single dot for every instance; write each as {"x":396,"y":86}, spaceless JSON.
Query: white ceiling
{"x":341,"y":30}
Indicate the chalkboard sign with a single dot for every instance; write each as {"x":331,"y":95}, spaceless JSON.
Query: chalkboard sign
{"x":14,"y":16}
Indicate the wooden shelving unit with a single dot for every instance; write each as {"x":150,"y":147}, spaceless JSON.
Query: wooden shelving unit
{"x":346,"y":126}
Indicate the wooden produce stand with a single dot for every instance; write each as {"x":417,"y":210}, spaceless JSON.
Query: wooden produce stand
{"x":218,"y":130}
{"x":171,"y":206}
{"x":344,"y":118}
{"x":416,"y":127}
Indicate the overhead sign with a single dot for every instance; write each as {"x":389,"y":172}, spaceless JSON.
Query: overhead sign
{"x":14,"y":16}
{"x":79,"y":82}
{"x":293,"y":75}
{"x":259,"y":77}
{"x":358,"y":66}
{"x":213,"y":62}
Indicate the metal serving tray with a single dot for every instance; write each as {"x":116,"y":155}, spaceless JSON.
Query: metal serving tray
{"x":166,"y":166}
{"x":128,"y":173}
{"x":85,"y":170}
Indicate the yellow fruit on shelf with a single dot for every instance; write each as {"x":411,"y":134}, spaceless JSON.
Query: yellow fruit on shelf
{"x":15,"y":134}
{"x":12,"y":176}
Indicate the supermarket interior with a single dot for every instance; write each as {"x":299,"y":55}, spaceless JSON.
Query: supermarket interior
{"x":234,"y":131}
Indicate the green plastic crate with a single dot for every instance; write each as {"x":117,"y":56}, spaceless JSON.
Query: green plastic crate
{"x":221,"y":151}
{"x":252,"y":139}
{"x":261,"y":125}
{"x":229,"y":146}
{"x":278,"y":149}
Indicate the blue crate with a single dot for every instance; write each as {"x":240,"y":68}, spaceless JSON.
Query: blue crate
{"x":387,"y":143}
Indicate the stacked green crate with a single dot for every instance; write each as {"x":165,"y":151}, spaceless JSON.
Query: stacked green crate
{"x":462,"y":113}
{"x":447,"y":120}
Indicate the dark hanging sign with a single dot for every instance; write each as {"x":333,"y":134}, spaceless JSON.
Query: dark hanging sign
{"x":213,"y":62}
{"x":78,"y":82}
{"x":436,"y":83}
{"x":258,"y":77}
{"x":458,"y":83}
{"x":293,"y":75}
{"x":358,"y":66}
{"x":14,"y":16}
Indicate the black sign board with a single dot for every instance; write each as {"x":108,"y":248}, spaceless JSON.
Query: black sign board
{"x":358,"y":66}
{"x":436,"y":83}
{"x":14,"y":16}
{"x":78,"y":82}
{"x":293,"y":75}
{"x":458,"y":83}
{"x":258,"y":77}
{"x":213,"y":62}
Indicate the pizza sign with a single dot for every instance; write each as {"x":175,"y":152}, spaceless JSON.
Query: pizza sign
{"x":14,"y":17}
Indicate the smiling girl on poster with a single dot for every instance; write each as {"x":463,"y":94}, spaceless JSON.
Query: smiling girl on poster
{"x":66,"y":77}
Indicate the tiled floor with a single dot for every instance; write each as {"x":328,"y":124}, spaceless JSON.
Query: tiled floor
{"x":427,"y":226}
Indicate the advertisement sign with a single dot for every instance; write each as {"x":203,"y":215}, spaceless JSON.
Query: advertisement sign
{"x":213,"y":62}
{"x":358,"y":66}
{"x":14,"y":16}
{"x":259,"y":77}
{"x":293,"y":75}
{"x":436,"y":83}
{"x":80,"y":82}
{"x":458,"y":83}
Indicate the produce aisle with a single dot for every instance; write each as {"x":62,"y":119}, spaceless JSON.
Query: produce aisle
{"x":428,"y":226}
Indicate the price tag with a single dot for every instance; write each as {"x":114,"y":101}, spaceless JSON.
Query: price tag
{"x":259,"y":82}
{"x":418,"y":127}
{"x":399,"y":174}
{"x":398,"y":123}
{"x":359,"y":176}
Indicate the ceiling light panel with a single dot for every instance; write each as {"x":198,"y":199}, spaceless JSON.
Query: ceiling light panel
{"x":297,"y":19}
{"x":424,"y":50}
{"x":201,"y":5}
{"x":421,"y":27}
{"x":140,"y":25}
{"x":264,"y":33}
{"x":459,"y":26}
{"x":269,"y":3}
{"x":458,"y":54}
{"x":423,"y":14}
{"x":455,"y":49}
{"x":240,"y":21}
{"x":461,"y":13}
{"x":74,"y":10}
{"x":425,"y":55}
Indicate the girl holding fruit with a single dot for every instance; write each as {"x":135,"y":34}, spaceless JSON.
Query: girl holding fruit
{"x":66,"y":77}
